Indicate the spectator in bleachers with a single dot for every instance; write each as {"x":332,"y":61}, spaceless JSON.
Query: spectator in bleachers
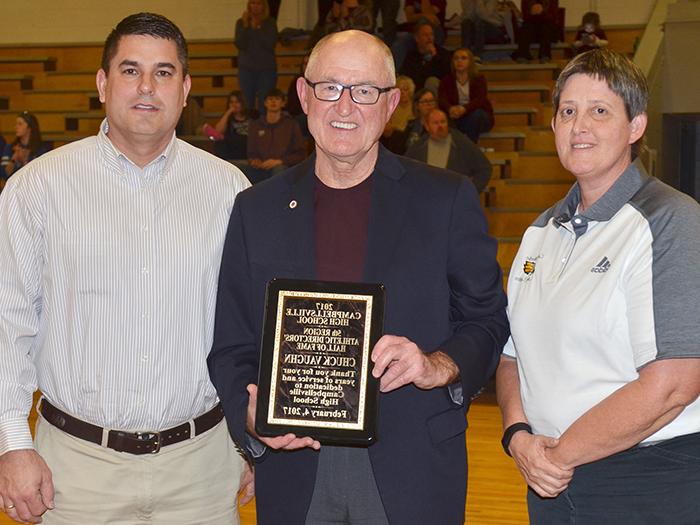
{"x":389,"y":10}
{"x":274,"y":141}
{"x":590,"y":35}
{"x":349,"y":14}
{"x":463,"y":95}
{"x":232,"y":127}
{"x":293,"y":105}
{"x":395,"y":131}
{"x":448,"y":148}
{"x":428,"y":62}
{"x":539,"y":26}
{"x":418,"y":12}
{"x":424,"y":102}
{"x":492,"y":21}
{"x":256,"y":37}
{"x":26,"y":147}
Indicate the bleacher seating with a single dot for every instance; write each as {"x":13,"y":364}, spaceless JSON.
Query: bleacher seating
{"x":527,"y":176}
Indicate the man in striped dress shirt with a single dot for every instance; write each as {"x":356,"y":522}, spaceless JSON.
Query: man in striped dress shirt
{"x":110,"y":250}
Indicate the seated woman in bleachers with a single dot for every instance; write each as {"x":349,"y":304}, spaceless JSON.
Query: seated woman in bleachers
{"x":424,"y":102}
{"x":463,"y":95}
{"x":256,"y":37}
{"x":26,"y":147}
{"x":233,"y":126}
{"x":394,"y":136}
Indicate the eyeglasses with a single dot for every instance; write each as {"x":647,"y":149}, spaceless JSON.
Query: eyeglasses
{"x":427,"y":101}
{"x":360,"y":93}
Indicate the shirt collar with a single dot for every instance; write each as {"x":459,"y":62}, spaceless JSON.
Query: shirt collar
{"x":120,"y":163}
{"x":622,"y":190}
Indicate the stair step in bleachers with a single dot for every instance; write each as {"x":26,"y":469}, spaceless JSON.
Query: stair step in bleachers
{"x":519,"y":93}
{"x":499,"y":71}
{"x":522,"y":193}
{"x":16,"y":81}
{"x":20,"y":63}
{"x":510,"y":222}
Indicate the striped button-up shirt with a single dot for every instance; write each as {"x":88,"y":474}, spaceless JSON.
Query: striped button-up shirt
{"x":108,"y":277}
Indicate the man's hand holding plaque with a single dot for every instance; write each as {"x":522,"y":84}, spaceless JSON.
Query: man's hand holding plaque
{"x":286,"y":442}
{"x":398,"y":361}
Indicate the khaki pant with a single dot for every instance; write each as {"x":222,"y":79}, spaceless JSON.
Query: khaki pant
{"x":189,"y":483}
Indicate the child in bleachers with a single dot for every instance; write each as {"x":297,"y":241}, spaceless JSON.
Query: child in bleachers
{"x":589,"y":36}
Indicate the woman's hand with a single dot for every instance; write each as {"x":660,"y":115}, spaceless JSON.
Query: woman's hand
{"x":530,"y":455}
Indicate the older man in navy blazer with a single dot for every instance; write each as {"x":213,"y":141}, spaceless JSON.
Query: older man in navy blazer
{"x":356,"y":212}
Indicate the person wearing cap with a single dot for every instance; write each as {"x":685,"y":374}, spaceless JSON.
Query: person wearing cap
{"x":275,"y":141}
{"x":110,"y":249}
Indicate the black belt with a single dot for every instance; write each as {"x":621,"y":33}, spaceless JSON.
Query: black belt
{"x":149,"y":442}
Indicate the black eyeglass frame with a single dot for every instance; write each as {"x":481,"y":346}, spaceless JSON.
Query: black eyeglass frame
{"x":380,"y":90}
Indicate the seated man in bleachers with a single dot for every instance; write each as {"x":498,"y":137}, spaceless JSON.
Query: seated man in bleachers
{"x":429,"y":62}
{"x":451,"y":149}
{"x":274,"y":141}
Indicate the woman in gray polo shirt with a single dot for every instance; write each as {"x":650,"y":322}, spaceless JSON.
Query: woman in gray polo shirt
{"x":600,"y":379}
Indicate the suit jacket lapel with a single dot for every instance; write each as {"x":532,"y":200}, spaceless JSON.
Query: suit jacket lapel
{"x":387,"y":213}
{"x":299,"y":199}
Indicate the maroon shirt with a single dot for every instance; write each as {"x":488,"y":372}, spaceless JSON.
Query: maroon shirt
{"x":341,"y":221}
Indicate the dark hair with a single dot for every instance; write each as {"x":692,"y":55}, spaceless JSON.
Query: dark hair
{"x":591,"y":17}
{"x":420,"y":24}
{"x":148,"y":24}
{"x":623,"y":77}
{"x":419,"y":94}
{"x":34,"y":132}
{"x":275,"y":92}
{"x":244,"y":110}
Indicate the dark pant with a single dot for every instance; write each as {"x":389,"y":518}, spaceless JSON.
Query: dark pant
{"x":536,"y":30}
{"x":345,"y":491}
{"x":256,"y":83}
{"x":476,"y":32}
{"x":256,"y":175}
{"x":474,"y":124}
{"x":389,"y":10}
{"x":652,"y":485}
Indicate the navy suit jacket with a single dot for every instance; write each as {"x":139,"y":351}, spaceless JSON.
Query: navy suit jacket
{"x":427,"y":243}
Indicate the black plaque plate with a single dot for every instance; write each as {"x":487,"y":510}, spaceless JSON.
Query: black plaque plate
{"x":315,"y":368}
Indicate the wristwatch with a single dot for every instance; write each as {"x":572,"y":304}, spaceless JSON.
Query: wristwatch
{"x":510,"y":432}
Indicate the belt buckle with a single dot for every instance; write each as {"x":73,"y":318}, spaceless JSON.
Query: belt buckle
{"x":150,"y":436}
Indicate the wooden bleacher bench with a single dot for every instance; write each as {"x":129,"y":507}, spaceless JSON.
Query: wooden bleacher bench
{"x":4,"y":102}
{"x":48,"y":63}
{"x":212,"y":55}
{"x":542,"y":89}
{"x":529,"y":112}
{"x":73,"y":118}
{"x":515,"y":67}
{"x":218,"y":75}
{"x":518,"y":138}
{"x":25,"y":81}
{"x":504,"y":166}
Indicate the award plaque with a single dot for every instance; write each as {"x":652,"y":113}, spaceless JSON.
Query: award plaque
{"x":315,"y":368}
